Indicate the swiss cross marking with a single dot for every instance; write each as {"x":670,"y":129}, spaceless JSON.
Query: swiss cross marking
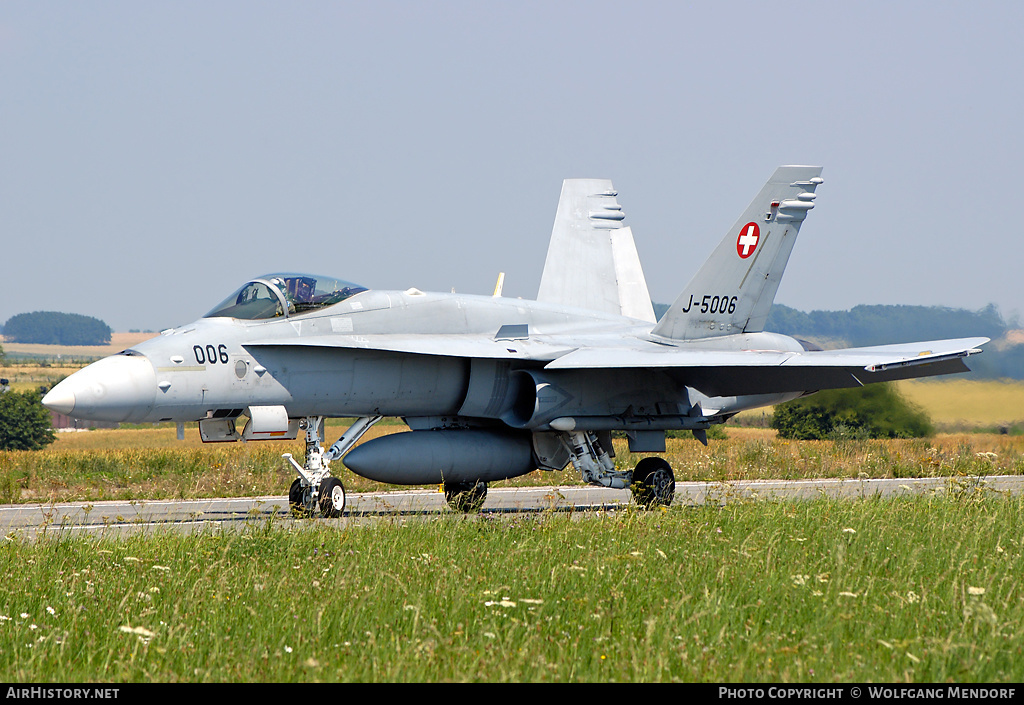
{"x":747,"y":240}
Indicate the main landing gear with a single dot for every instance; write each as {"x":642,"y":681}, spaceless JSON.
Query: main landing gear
{"x":654,"y":485}
{"x":315,"y":489}
{"x":652,"y":482}
{"x":465,"y":496}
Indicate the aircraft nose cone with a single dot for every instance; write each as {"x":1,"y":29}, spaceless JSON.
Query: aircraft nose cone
{"x":60,"y":399}
{"x":117,"y":388}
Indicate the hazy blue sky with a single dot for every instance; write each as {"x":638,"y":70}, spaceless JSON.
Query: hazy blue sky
{"x":153,"y":156}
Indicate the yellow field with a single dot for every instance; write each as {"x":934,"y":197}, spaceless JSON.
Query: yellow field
{"x":961,"y":402}
{"x":952,"y":404}
{"x":25,"y":377}
{"x":118,"y":342}
{"x":69,"y":358}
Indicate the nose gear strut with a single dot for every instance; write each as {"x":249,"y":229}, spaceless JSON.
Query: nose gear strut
{"x":315,"y":488}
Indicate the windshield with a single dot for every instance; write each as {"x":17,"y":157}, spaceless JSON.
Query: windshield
{"x":284,"y":294}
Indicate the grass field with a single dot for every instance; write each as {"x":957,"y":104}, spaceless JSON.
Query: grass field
{"x":148,"y":463}
{"x":903,"y":590}
{"x":909,"y":590}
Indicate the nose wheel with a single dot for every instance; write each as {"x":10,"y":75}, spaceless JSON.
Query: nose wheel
{"x":298,"y":499}
{"x":332,"y":498}
{"x":329,"y":499}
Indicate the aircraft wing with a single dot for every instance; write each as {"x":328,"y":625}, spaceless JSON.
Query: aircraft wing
{"x":510,"y":345}
{"x":738,"y":372}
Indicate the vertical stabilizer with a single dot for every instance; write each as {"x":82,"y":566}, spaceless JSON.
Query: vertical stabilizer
{"x":592,"y":260}
{"x":734,"y":290}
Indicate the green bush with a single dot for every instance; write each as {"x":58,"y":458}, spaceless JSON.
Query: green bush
{"x":24,"y":422}
{"x":874,"y":411}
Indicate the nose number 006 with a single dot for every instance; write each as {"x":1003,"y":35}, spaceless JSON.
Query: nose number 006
{"x":210,"y":354}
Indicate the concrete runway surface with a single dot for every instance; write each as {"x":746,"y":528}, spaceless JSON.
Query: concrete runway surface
{"x":31,"y":520}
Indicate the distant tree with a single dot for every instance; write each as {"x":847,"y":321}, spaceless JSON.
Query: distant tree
{"x":997,"y":364}
{"x":54,"y":328}
{"x":789,"y":321}
{"x":876,"y":325}
{"x":874,"y":411}
{"x":24,"y":422}
{"x":660,"y":310}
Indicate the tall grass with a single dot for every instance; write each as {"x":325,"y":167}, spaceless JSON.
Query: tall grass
{"x":149,"y":464}
{"x":870,"y":590}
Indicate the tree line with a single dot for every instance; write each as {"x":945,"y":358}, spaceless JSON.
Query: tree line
{"x":877,"y":325}
{"x":54,"y":328}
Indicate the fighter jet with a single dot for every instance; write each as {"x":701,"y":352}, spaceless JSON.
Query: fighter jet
{"x":492,"y":387}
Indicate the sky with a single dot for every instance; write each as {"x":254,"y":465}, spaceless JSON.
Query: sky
{"x":155,"y":156}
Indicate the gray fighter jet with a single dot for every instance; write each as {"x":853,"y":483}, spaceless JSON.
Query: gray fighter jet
{"x":493,"y":387}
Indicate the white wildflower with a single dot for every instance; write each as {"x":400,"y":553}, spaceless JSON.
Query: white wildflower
{"x":975,"y":590}
{"x":141,"y":631}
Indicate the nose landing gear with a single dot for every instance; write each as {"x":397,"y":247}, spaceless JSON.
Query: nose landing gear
{"x":315,"y":489}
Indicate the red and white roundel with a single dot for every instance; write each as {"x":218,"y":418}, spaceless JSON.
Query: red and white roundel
{"x":746,"y":241}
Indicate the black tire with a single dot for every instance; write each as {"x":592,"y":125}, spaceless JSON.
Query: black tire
{"x":296,"y":495}
{"x":332,"y":498}
{"x":465,"y":497}
{"x":654,"y":484}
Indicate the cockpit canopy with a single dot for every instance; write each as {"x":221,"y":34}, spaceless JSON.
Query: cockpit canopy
{"x":283,"y":295}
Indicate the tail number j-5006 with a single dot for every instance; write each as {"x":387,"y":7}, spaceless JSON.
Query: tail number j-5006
{"x":210,"y":354}
{"x":712,"y":304}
